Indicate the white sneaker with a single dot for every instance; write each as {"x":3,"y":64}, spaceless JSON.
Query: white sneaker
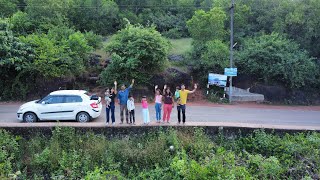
{"x":107,"y":123}
{"x":113,"y":123}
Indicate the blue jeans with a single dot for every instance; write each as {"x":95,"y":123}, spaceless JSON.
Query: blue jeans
{"x":108,"y":109}
{"x":158,"y":111}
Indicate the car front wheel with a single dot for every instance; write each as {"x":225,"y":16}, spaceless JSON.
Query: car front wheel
{"x":83,"y":117}
{"x":29,"y":117}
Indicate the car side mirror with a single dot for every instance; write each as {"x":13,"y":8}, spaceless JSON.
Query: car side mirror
{"x":43,"y":102}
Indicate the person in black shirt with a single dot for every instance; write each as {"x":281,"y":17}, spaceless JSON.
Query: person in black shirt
{"x":111,"y":107}
{"x":168,"y":103}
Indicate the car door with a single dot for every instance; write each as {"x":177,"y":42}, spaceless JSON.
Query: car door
{"x":50,"y":108}
{"x":71,"y":106}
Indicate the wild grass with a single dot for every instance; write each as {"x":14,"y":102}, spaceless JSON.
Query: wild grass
{"x":180,"y":46}
{"x":160,"y":154}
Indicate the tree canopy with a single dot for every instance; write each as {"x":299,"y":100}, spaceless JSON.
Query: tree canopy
{"x":137,"y":53}
{"x":275,"y":59}
{"x":62,"y":33}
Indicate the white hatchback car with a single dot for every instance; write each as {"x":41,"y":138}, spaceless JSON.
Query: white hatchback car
{"x":62,"y":105}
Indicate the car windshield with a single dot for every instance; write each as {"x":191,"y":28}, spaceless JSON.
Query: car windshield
{"x":43,"y":99}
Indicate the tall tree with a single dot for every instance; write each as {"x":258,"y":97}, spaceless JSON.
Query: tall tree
{"x":48,"y":13}
{"x":206,"y":26}
{"x":8,"y":7}
{"x":99,"y":16}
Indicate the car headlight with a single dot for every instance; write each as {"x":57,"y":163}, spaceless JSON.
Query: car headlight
{"x":21,"y":109}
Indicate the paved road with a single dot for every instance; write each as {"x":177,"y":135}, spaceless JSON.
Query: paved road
{"x":244,"y":115}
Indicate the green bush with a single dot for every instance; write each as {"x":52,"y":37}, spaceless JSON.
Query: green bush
{"x":26,"y":60}
{"x":9,"y":154}
{"x":71,"y":154}
{"x":273,"y":59}
{"x":207,"y":26}
{"x":208,"y":57}
{"x":267,"y":168}
{"x":93,"y":39}
{"x":21,"y":23}
{"x":100,"y":174}
{"x":137,"y":53}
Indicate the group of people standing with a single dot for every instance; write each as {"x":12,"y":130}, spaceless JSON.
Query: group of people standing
{"x":165,"y":100}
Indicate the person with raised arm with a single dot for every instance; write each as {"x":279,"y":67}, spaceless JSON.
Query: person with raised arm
{"x":183,"y":102}
{"x":158,"y":103}
{"x":168,"y":103}
{"x":111,"y":103}
{"x":123,"y":96}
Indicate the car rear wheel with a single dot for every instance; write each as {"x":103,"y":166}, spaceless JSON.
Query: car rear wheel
{"x":83,"y":117}
{"x":29,"y":117}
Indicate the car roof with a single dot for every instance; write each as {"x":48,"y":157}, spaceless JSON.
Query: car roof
{"x":68,"y":92}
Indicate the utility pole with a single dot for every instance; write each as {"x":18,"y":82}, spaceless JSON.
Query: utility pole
{"x":231,"y":48}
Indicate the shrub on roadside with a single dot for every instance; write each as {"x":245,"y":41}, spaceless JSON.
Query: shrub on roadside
{"x":9,"y":154}
{"x":70,"y":154}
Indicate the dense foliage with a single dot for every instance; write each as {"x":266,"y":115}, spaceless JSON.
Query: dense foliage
{"x":274,"y":59}
{"x":163,"y":154}
{"x":207,"y":22}
{"x":210,"y":52}
{"x":204,"y":26}
{"x":99,"y":16}
{"x":137,"y":53}
{"x":272,"y":49}
{"x":298,"y":19}
{"x":61,"y":52}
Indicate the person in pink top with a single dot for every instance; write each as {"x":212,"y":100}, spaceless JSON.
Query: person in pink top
{"x":145,"y":110}
{"x":158,"y":103}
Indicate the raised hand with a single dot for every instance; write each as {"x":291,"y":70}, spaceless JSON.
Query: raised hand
{"x":156,"y":87}
{"x":195,"y":86}
{"x":165,"y":86}
{"x":115,"y":83}
{"x":132,"y":81}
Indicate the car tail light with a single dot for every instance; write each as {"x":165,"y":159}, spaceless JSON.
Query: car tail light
{"x":94,"y":105}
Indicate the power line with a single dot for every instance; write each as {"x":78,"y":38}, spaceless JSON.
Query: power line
{"x":120,"y":6}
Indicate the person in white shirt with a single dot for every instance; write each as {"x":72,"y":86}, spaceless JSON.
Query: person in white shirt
{"x":131,"y":107}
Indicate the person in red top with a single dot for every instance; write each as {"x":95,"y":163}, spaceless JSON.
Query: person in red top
{"x":168,"y":103}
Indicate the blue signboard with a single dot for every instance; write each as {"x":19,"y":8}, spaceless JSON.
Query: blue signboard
{"x":230,"y":71}
{"x":217,"y":79}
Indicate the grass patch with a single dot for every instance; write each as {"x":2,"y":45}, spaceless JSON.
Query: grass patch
{"x":102,"y":52}
{"x":180,"y":46}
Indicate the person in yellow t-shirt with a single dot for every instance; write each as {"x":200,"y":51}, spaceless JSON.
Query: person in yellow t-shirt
{"x":183,"y":101}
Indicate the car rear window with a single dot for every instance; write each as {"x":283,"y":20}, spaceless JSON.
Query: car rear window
{"x":73,"y":99}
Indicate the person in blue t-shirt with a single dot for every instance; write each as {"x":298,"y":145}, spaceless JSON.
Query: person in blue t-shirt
{"x":123,"y":96}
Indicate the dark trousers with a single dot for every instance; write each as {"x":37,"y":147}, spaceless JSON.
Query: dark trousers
{"x":132,"y":118}
{"x":108,"y":109}
{"x":183,"y":109}
{"x":123,"y":107}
